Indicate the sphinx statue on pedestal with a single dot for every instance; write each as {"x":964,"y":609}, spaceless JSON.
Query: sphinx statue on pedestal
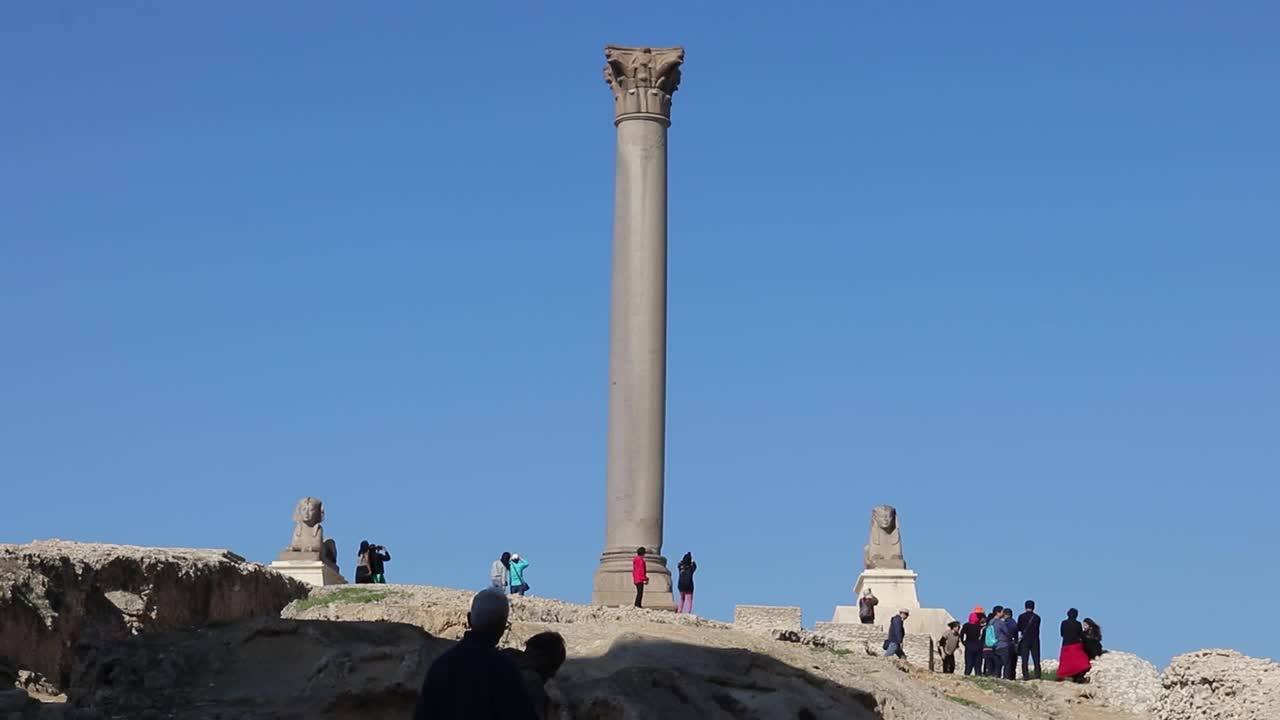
{"x":884,"y":549}
{"x":308,"y":542}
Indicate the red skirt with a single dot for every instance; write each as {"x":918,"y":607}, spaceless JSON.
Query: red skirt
{"x":1073,"y":661}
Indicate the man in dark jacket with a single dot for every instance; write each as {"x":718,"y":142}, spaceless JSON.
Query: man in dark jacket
{"x":1029,"y":645}
{"x":1006,"y":632}
{"x":473,"y":680}
{"x":1011,"y":666}
{"x":897,"y":635}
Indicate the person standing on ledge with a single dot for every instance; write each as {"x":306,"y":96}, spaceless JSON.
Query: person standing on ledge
{"x":473,"y":679}
{"x":518,"y":585}
{"x":971,"y":636}
{"x":1029,"y":645}
{"x":362,"y":564}
{"x":867,"y":607}
{"x":639,"y":575}
{"x":687,"y":568}
{"x":897,"y":636}
{"x":1006,"y":641}
{"x":1072,"y":661}
{"x":498,"y":572}
{"x":377,"y":556}
{"x":947,"y":646}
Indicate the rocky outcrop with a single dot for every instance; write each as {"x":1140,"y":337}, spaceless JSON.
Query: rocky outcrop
{"x":259,"y":668}
{"x":629,"y":664}
{"x":1219,"y":685}
{"x":1125,"y":681}
{"x":56,"y":594}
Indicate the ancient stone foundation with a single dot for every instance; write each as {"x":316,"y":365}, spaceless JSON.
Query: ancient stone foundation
{"x":765,"y":619}
{"x":869,"y":639}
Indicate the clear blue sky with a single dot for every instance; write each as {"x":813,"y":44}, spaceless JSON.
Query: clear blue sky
{"x":1010,"y":268}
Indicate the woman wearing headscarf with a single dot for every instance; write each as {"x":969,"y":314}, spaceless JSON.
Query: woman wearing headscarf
{"x":1092,"y":639}
{"x":498,"y":572}
{"x":1073,"y":662}
{"x":687,"y":568}
{"x":362,"y":563}
{"x":971,"y":638}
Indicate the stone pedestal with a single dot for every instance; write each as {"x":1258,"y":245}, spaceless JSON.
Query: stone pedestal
{"x":896,"y":590}
{"x":642,"y":80}
{"x":312,"y":572}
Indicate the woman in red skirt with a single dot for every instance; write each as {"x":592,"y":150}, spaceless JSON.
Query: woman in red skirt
{"x":1073,"y":662}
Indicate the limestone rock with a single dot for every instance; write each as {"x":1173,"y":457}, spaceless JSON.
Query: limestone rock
{"x":259,"y":668}
{"x":1124,"y":681}
{"x":1219,"y":685}
{"x":55,"y":594}
{"x":629,"y":664}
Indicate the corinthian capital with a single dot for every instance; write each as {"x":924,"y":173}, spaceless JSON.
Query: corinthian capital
{"x":642,"y":79}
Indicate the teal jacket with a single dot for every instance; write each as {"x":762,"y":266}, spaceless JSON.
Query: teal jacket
{"x":517,"y":571}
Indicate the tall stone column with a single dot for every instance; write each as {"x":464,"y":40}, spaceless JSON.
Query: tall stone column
{"x":642,"y":80}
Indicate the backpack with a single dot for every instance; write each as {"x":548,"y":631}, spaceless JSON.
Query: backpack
{"x":989,"y":638}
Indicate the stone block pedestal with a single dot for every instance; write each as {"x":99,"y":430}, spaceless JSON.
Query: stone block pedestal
{"x":896,"y":590}
{"x":613,"y":586}
{"x":312,"y":572}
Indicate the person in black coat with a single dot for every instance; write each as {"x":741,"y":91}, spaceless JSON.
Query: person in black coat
{"x":1091,"y":636}
{"x":1029,"y":644}
{"x":473,"y":680}
{"x":687,"y":568}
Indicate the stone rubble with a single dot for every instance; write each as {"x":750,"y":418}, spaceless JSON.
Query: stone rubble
{"x":1219,"y":685}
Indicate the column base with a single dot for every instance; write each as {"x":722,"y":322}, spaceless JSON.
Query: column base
{"x":613,"y":586}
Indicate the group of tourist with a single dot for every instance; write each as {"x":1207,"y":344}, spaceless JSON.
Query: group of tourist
{"x":370,"y":563}
{"x":994,"y":641}
{"x":476,"y":680}
{"x":507,"y":574}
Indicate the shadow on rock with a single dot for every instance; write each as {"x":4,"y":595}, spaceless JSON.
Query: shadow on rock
{"x":293,"y":669}
{"x":642,"y":677}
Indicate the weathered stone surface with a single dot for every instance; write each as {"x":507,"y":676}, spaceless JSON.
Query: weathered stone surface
{"x":1124,"y":681}
{"x":869,"y":640}
{"x":260,"y":668}
{"x":626,"y":663}
{"x":308,"y":541}
{"x":1219,"y":685}
{"x":765,"y":619}
{"x":884,"y":547}
{"x":642,"y":79}
{"x":55,"y":594}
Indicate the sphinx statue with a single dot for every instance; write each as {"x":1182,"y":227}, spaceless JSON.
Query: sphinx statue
{"x":884,"y":549}
{"x":308,"y":542}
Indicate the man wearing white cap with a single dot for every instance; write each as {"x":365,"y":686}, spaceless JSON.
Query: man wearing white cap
{"x":472,"y":680}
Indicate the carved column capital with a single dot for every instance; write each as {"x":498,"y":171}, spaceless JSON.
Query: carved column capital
{"x":642,"y":79}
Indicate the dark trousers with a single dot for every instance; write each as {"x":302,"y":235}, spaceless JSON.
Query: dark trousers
{"x":973,"y":661}
{"x":988,"y":661}
{"x":1030,"y":650}
{"x":949,"y":664}
{"x":1004,"y":660}
{"x":1011,"y":664}
{"x":639,"y":594}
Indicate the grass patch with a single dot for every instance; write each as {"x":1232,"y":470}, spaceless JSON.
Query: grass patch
{"x":1009,"y":687}
{"x":963,"y":701}
{"x":841,"y":652}
{"x":350,"y":595}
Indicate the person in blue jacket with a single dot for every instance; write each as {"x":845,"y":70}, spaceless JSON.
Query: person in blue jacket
{"x":897,"y":634}
{"x":516,"y":570}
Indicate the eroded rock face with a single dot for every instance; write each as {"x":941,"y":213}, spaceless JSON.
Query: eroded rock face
{"x":259,"y":668}
{"x":55,"y":594}
{"x":1219,"y":685}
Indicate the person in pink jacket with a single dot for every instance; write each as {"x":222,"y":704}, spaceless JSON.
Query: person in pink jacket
{"x":639,"y":575}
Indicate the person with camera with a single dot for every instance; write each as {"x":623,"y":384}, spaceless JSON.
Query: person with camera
{"x":370,"y":566}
